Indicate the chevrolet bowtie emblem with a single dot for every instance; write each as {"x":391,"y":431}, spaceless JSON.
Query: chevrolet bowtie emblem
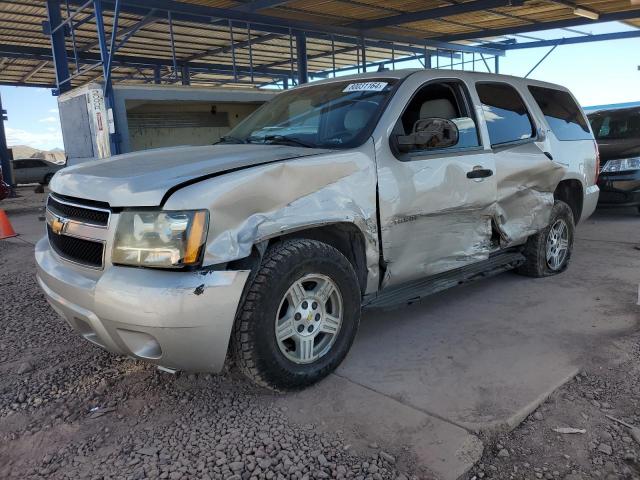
{"x":57,"y":225}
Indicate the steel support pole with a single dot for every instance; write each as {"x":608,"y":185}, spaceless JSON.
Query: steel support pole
{"x":364,"y":55}
{"x":173,"y":46}
{"x":58,"y":48}
{"x":105,"y":57}
{"x":496,"y":60}
{"x":291,"y":56}
{"x":157,"y":75}
{"x":301,"y":56}
{"x":250,"y":52}
{"x":5,"y":161}
{"x":541,"y":60}
{"x":185,"y":76}
{"x":73,"y":38}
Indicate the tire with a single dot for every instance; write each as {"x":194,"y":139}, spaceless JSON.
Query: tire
{"x":535,"y":251}
{"x":47,"y":179}
{"x":270,"y":308}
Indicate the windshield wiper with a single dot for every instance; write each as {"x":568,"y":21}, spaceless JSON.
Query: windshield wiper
{"x":228,"y":139}
{"x":282,"y":140}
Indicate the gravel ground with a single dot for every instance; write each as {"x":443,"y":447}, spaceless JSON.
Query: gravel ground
{"x":602,"y":449}
{"x":70,"y":410}
{"x":29,"y":198}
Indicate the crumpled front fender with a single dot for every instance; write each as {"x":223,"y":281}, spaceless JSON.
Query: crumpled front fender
{"x":255,"y":204}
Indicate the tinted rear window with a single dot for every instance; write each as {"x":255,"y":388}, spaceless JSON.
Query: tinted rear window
{"x":621,"y":125}
{"x":507,"y":116}
{"x":562,"y":113}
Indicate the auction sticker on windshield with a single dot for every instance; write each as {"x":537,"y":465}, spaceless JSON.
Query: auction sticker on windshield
{"x":365,"y":87}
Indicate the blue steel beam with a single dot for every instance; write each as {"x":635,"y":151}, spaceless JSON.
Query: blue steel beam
{"x":260,"y":4}
{"x":571,"y":40}
{"x":436,"y":13}
{"x":70,"y":18}
{"x":39,"y":53}
{"x":106,"y":58}
{"x":498,"y":32}
{"x":198,"y":13}
{"x":23,"y":84}
{"x":5,"y":162}
{"x":58,"y":47}
{"x":541,"y":60}
{"x":301,"y":58}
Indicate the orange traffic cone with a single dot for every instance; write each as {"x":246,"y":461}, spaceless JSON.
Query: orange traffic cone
{"x":6,"y":230}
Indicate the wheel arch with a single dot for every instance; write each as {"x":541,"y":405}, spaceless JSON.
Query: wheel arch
{"x":345,"y":237}
{"x":571,"y":192}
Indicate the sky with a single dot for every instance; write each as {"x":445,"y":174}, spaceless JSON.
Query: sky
{"x":597,"y":73}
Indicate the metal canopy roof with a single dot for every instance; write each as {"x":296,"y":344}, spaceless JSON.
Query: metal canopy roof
{"x":231,"y":43}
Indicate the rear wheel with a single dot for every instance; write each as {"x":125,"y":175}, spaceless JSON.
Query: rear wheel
{"x":549,"y":251}
{"x":300,"y":315}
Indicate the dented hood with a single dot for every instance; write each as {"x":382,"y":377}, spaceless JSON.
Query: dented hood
{"x":143,"y":178}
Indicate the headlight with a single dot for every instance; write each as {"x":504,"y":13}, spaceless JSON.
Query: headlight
{"x":621,"y":165}
{"x":163,"y":239}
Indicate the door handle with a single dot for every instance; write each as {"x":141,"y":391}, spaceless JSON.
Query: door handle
{"x":480,"y":173}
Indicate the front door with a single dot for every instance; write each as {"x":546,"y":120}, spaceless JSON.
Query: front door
{"x":435,"y":204}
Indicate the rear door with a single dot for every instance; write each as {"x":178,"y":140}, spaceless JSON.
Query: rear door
{"x":526,"y":175}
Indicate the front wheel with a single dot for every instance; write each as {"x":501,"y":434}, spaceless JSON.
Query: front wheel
{"x":548,"y":252}
{"x":299,"y":317}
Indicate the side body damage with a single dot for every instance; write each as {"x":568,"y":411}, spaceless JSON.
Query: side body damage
{"x":433,"y":218}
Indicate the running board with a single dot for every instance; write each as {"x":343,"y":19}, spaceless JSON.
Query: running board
{"x":414,"y":291}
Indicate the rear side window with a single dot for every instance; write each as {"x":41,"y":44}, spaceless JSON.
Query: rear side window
{"x":507,"y":117}
{"x":562,"y":113}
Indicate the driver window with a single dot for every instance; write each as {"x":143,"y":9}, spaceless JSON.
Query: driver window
{"x":441,"y":100}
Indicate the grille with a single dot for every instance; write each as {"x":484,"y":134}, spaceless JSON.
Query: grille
{"x":81,"y":214}
{"x":85,"y":252}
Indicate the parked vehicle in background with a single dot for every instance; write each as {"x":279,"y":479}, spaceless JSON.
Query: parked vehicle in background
{"x":366,"y":191}
{"x":33,"y":170}
{"x":618,"y":135}
{"x":5,"y":190}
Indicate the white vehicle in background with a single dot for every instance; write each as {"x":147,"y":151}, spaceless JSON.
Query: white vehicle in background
{"x":366,"y":191}
{"x":34,"y":170}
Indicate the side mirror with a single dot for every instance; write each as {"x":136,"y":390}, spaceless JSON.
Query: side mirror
{"x":429,"y":133}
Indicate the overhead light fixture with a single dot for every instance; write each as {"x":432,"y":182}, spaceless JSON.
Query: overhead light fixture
{"x":583,"y":12}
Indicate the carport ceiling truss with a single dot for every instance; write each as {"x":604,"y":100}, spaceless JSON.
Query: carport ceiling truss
{"x":221,"y":42}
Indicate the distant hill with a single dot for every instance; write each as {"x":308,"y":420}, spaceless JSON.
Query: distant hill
{"x":22,"y":151}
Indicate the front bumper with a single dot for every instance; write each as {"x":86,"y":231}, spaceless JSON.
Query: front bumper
{"x":178,"y":320}
{"x":621,"y":189}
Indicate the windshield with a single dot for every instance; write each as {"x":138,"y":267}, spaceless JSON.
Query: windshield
{"x":622,"y":125}
{"x":331,"y":115}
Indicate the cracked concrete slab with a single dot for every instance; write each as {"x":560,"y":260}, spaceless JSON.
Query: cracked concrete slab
{"x":484,"y":356}
{"x":439,"y":449}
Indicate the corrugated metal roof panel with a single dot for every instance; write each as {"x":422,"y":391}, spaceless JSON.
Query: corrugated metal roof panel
{"x":208,"y":43}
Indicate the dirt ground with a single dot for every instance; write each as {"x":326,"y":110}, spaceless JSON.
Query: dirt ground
{"x":29,"y":198}
{"x":71,"y":410}
{"x":602,"y":449}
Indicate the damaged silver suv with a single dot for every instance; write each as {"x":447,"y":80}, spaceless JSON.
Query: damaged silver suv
{"x":366,"y":191}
